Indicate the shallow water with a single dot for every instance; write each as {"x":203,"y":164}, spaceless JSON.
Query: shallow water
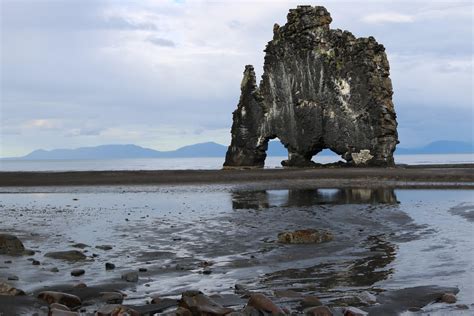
{"x":199,"y":163}
{"x":384,"y":239}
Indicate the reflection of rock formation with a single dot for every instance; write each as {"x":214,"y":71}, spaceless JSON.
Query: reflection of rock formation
{"x":308,"y":197}
{"x":255,"y":200}
{"x":365,"y":271}
{"x":321,"y":88}
{"x":371,"y":269}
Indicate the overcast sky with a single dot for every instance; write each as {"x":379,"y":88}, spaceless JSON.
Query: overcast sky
{"x":163,"y":74}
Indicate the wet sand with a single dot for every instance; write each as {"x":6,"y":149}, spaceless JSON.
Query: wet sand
{"x":404,"y":247}
{"x":401,"y":176}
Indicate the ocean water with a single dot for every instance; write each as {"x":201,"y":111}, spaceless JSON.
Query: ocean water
{"x":197,"y":163}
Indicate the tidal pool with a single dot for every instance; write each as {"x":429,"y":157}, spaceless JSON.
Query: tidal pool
{"x":211,"y":238}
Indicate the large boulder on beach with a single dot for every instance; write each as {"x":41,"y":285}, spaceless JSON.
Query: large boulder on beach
{"x":321,"y":88}
{"x":69,"y":255}
{"x":11,"y":245}
{"x":304,"y":236}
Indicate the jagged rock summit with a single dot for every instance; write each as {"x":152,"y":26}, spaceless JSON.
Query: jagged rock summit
{"x":321,"y":88}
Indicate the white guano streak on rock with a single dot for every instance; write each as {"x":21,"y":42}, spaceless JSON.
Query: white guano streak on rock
{"x":344,"y":90}
{"x":321,"y":76}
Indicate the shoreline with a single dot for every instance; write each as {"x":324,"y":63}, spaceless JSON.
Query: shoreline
{"x":413,"y":176}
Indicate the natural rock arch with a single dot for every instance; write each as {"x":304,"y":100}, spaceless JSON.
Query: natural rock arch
{"x":321,"y":88}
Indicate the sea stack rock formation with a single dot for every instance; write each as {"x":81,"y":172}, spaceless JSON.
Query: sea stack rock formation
{"x":321,"y":88}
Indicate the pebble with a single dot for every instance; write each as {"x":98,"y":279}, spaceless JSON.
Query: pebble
{"x":104,"y":247}
{"x":54,"y":269}
{"x":8,"y":290}
{"x":10,"y":245}
{"x":155,"y":299}
{"x":142,"y":270}
{"x":35,"y":262}
{"x":462,"y":306}
{"x":310,"y":301}
{"x":109,"y":266}
{"x":287,"y":293}
{"x":80,"y":286}
{"x":448,"y":298}
{"x":77,"y":272}
{"x":130,"y":276}
{"x":13,"y":278}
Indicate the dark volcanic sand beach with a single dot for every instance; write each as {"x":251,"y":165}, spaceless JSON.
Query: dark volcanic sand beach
{"x":403,"y":247}
{"x":444,"y":175}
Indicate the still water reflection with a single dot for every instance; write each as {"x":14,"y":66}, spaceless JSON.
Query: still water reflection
{"x":262,"y":199}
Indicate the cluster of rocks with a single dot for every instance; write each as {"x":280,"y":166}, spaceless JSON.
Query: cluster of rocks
{"x":196,"y":303}
{"x":244,"y":302}
{"x":322,"y":88}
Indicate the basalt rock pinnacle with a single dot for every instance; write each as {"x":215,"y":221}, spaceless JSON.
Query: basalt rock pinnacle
{"x":321,"y":88}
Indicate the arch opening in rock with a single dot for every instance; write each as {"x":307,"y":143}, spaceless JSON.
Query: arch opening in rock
{"x":328,"y":157}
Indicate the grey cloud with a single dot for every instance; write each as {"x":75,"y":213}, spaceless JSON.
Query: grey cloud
{"x":58,"y":16}
{"x":158,"y":41}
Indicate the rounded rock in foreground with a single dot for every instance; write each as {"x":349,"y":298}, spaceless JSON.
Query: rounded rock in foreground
{"x":115,"y":309}
{"x":318,"y":311}
{"x":352,"y":311}
{"x":59,"y":307}
{"x":262,"y":303}
{"x":69,"y":300}
{"x":60,"y":312}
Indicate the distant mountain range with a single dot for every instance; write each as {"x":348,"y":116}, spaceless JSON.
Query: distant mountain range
{"x":211,"y":149}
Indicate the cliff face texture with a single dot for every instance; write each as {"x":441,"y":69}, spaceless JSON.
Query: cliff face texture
{"x":321,"y":88}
